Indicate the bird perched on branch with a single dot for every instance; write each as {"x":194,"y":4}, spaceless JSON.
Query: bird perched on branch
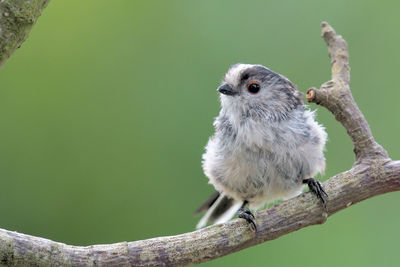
{"x":266,"y":145}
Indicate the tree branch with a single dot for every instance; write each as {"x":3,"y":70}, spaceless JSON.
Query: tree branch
{"x":17,"y":18}
{"x":335,"y":95}
{"x":373,"y":174}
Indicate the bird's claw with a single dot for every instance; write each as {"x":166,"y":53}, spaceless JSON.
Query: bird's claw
{"x":316,"y":187}
{"x":249,"y":217}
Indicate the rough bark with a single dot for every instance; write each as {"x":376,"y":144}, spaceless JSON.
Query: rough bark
{"x":373,"y":173}
{"x":16,"y":20}
{"x":345,"y":189}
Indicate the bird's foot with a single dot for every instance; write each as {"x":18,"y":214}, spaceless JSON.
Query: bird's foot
{"x":317,"y":188}
{"x":249,"y":217}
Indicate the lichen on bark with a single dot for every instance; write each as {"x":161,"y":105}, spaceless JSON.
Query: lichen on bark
{"x":16,"y":20}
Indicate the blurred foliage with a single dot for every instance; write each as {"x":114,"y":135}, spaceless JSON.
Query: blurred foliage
{"x":106,"y":108}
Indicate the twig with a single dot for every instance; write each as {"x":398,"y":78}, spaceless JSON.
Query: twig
{"x":373,"y":174}
{"x":335,"y":95}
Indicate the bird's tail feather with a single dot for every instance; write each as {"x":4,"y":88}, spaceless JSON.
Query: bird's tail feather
{"x":220,"y":209}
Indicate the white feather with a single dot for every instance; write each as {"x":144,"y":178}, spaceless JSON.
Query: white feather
{"x":226,"y":216}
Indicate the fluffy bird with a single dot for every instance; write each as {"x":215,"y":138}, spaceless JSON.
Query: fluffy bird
{"x":266,"y":146}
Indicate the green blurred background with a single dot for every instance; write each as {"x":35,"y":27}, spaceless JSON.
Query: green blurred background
{"x":106,"y":108}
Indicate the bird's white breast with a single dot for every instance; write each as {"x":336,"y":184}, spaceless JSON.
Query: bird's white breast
{"x":263,"y":161}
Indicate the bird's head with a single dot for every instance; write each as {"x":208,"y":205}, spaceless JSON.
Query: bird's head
{"x":256,"y":91}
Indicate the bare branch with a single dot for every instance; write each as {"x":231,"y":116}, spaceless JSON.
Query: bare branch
{"x":373,"y":174}
{"x":344,"y":189}
{"x":16,"y":20}
{"x":335,"y":95}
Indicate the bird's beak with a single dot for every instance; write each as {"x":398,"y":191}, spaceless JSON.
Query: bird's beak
{"x":226,"y":90}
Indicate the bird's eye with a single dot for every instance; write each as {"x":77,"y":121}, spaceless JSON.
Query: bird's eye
{"x":253,"y":87}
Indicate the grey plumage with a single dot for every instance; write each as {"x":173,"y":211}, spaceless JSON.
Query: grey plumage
{"x":266,"y":142}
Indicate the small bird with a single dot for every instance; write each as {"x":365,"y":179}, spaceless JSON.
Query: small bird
{"x":266,"y":145}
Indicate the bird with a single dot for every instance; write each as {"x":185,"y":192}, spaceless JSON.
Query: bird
{"x":266,"y":145}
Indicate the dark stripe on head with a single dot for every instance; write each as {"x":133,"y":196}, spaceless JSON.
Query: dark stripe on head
{"x":258,"y":72}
